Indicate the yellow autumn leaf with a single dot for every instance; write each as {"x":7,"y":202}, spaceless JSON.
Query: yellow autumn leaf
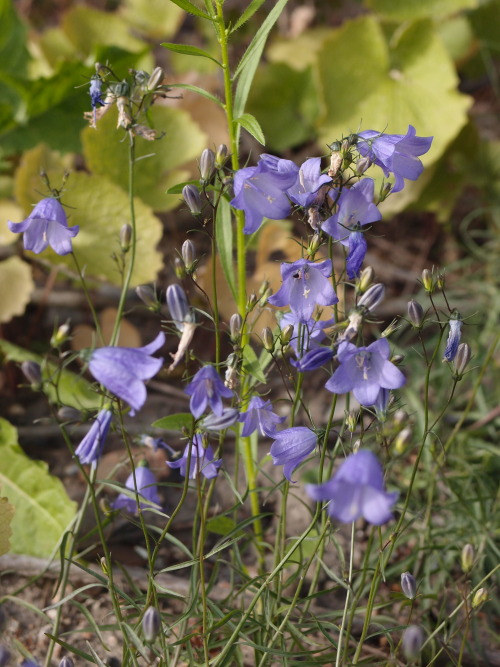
{"x":6,"y":513}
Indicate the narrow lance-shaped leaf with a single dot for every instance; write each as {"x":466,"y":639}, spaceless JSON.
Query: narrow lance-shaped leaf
{"x":251,"y":125}
{"x":189,"y":51}
{"x":248,"y":13}
{"x":224,"y":237}
{"x":192,"y":9}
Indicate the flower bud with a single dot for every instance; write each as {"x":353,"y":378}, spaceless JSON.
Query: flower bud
{"x":314,"y":244}
{"x":155,"y":79}
{"x":372,"y":297}
{"x":179,"y":268}
{"x":67,"y":662}
{"x":192,"y":198}
{"x":4,"y":656}
{"x":480,"y":597}
{"x":69,"y":414}
{"x":178,"y":306}
{"x":352,"y":420}
{"x":32,"y":372}
{"x":402,"y":440}
{"x":221,"y":156}
{"x":286,"y":334}
{"x":235,"y":324}
{"x":428,"y":280}
{"x":397,"y":359}
{"x":207,"y":165}
{"x":215,"y":423}
{"x":263,"y":289}
{"x":362,"y":165}
{"x":467,"y":558}
{"x":390,"y":329}
{"x":413,"y":639}
{"x":409,"y":585}
{"x":151,"y":624}
{"x":188,"y":255}
{"x":60,"y":336}
{"x":251,"y":301}
{"x":267,"y":339}
{"x":415,"y":314}
{"x":366,"y":278}
{"x":462,"y":359}
{"x":441,"y":280}
{"x":454,"y":336}
{"x":147,"y":295}
{"x":125,"y":237}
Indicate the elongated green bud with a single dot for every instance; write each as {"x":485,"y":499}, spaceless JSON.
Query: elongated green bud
{"x":467,"y":558}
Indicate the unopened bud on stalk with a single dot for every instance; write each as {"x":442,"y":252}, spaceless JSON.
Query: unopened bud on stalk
{"x":188,"y":255}
{"x":366,"y":278}
{"x":60,"y":336}
{"x":397,"y":359}
{"x":362,"y":165}
{"x":415,"y":314}
{"x":125,"y":237}
{"x":235,"y":324}
{"x":409,"y":585}
{"x":441,"y":280}
{"x":467,"y":558}
{"x":352,"y":420}
{"x":178,"y":306}
{"x":192,"y":198}
{"x":390,"y":329}
{"x":32,"y":372}
{"x":155,"y":79}
{"x":215,"y":423}
{"x":428,"y":280}
{"x":462,"y":359}
{"x":372,"y":297}
{"x":207,"y":165}
{"x":268,"y":339}
{"x":179,"y":268}
{"x":286,"y":334}
{"x":151,"y":624}
{"x":148,"y":296}
{"x":67,"y":662}
{"x":263,"y":289}
{"x":480,"y":597}
{"x":413,"y":639}
{"x":402,"y":440}
{"x":251,"y":301}
{"x":221,"y":156}
{"x":314,"y":244}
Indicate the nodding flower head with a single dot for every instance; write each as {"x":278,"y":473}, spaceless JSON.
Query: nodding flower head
{"x":46,"y":225}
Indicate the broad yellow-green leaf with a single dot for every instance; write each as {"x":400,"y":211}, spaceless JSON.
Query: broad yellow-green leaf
{"x":16,"y":286}
{"x":6,"y":513}
{"x":301,"y":52}
{"x":106,"y":154}
{"x":100,"y":208}
{"x":43,"y":511}
{"x":72,"y":390}
{"x":9,"y":210}
{"x":408,"y":10}
{"x":157,"y":18}
{"x":88,"y":28}
{"x":386,"y":87}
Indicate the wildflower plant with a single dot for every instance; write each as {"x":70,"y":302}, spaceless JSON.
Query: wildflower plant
{"x":255,"y":434}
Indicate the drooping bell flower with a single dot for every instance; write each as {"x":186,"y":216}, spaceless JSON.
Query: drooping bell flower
{"x":46,"y":225}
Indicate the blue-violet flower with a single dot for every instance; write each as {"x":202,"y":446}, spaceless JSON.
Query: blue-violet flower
{"x":310,"y":179}
{"x":122,"y":370}
{"x":291,"y":446}
{"x":46,"y":225}
{"x":395,"y":153}
{"x":90,"y":448}
{"x":201,"y":460}
{"x":306,"y":335}
{"x":146,"y":488}
{"x":364,"y":371}
{"x":453,"y":338}
{"x":259,"y":415}
{"x":355,"y":490}
{"x":206,"y":388}
{"x":305,"y":285}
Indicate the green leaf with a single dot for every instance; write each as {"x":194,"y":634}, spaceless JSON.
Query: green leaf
{"x":188,"y":50}
{"x":89,"y":28}
{"x":251,"y":364}
{"x":43,"y":511}
{"x":6,"y":513}
{"x":16,"y":285}
{"x":14,"y":56}
{"x":157,"y":18}
{"x":251,"y":125}
{"x":254,"y":6}
{"x":178,"y":422}
{"x":191,"y":8}
{"x":285,"y":102}
{"x":72,"y":390}
{"x":159,"y":164}
{"x":248,"y":64}
{"x":411,"y":81}
{"x":221,"y":525}
{"x":200,"y":91}
{"x":409,"y":10}
{"x":224,"y":239}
